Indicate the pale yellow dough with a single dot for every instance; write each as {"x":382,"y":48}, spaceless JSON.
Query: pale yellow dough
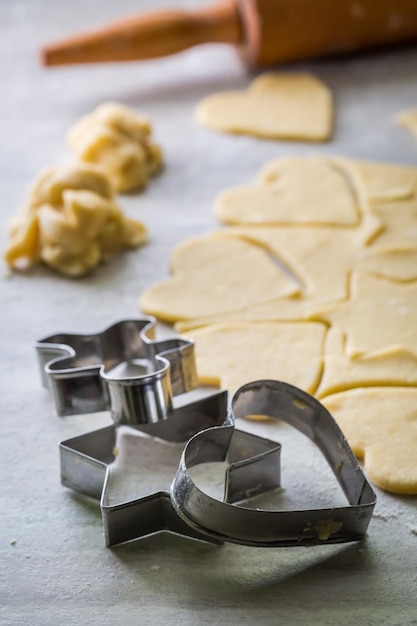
{"x":398,"y":220}
{"x":275,"y":106}
{"x":302,"y":191}
{"x":118,"y":139}
{"x":381,"y":426}
{"x":408,"y":119}
{"x":380,"y":315}
{"x":356,"y":273}
{"x":321,"y":258}
{"x":380,"y":181}
{"x":212,"y":275}
{"x":71,"y":222}
{"x":396,"y":367}
{"x":228,"y":355}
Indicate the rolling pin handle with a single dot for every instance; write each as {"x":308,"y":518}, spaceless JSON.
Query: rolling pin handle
{"x":149,"y":36}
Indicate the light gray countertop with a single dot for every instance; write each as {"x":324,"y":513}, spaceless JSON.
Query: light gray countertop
{"x":54,"y":567}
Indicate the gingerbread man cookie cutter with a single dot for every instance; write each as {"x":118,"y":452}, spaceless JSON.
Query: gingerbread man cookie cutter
{"x":121,"y":368}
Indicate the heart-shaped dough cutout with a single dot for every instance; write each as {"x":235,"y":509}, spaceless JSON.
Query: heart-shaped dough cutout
{"x":275,"y":106}
{"x":215,"y":275}
{"x":304,"y":191}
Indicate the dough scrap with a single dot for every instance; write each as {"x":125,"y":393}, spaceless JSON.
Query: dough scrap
{"x":214,"y":275}
{"x":371,"y":181}
{"x":388,"y":368}
{"x":301,"y":191}
{"x":379,"y":316}
{"x":398,"y":220}
{"x":275,"y":106}
{"x":377,"y":181}
{"x":408,"y":119}
{"x":228,"y":355}
{"x":381,"y":426}
{"x":118,"y":139}
{"x":70,"y":222}
{"x":322,"y":258}
{"x":396,"y":262}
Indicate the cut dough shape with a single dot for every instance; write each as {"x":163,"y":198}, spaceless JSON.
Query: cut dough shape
{"x":380,"y":181}
{"x":306,"y":253}
{"x":381,"y":426}
{"x":275,"y":106}
{"x":230,"y":355}
{"x":397,"y":262}
{"x":398,"y":220}
{"x":279,"y":310}
{"x":371,"y":180}
{"x":118,"y":139}
{"x":215,"y":275}
{"x":304,"y":191}
{"x":385,"y":369}
{"x":321,"y":258}
{"x":71,"y":222}
{"x":379,"y":316}
{"x":408,"y":119}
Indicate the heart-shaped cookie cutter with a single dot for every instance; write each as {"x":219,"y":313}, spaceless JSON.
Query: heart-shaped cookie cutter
{"x":259,"y":527}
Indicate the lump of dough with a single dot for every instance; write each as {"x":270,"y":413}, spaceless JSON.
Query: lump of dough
{"x":275,"y":106}
{"x":70,"y":222}
{"x":381,"y":427}
{"x":119,"y":140}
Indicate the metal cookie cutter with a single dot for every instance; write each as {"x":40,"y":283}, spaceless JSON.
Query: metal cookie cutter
{"x":90,"y":465}
{"x":254,"y":527}
{"x":121,"y":368}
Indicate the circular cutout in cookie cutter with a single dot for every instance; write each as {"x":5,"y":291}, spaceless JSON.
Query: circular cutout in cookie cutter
{"x":230,"y":520}
{"x":121,"y":368}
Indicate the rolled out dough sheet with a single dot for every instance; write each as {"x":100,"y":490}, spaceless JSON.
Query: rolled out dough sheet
{"x":340,"y":325}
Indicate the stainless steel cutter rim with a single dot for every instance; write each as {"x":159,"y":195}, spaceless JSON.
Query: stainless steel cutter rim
{"x":168,"y":365}
{"x":86,"y":462}
{"x":53,"y":366}
{"x":238,"y":524}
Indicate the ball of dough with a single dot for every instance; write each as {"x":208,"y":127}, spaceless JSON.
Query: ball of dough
{"x":70,"y":222}
{"x":119,"y":140}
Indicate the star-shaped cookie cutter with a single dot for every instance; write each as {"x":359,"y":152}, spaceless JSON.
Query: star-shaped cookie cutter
{"x":89,"y":466}
{"x":121,"y":368}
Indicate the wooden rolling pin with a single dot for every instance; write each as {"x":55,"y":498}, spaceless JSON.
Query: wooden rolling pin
{"x":266,"y":32}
